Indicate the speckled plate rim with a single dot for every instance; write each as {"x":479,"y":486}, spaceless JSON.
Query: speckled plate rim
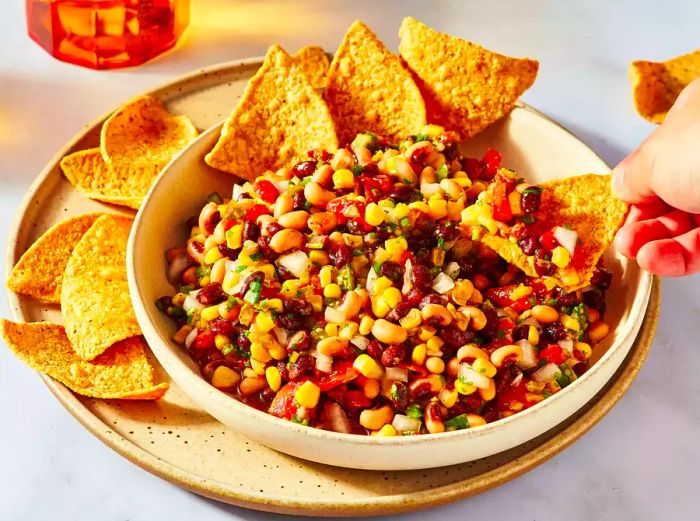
{"x":603,"y":402}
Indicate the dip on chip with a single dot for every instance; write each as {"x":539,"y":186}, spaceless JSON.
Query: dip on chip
{"x":144,"y":132}
{"x":368,"y":89}
{"x":123,"y":184}
{"x":95,"y":300}
{"x":314,"y":62}
{"x":39,"y":272}
{"x":277,"y":121}
{"x":465,"y":87}
{"x":656,"y":85}
{"x":576,"y":222}
{"x":122,"y":372}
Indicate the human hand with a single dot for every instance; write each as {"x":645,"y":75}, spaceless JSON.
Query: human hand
{"x":661,"y":180}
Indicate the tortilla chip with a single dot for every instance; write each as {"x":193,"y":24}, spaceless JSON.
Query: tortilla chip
{"x":466,"y":87}
{"x":314,"y":62}
{"x":368,"y":89}
{"x":279,"y":118}
{"x":585,"y":204}
{"x":142,"y":132}
{"x":95,"y":298}
{"x":39,"y":272}
{"x":122,"y":372}
{"x":656,"y":85}
{"x":123,"y":185}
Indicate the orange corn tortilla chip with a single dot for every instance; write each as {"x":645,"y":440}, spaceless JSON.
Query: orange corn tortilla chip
{"x":95,"y":300}
{"x":585,"y":204}
{"x":465,"y":87}
{"x":314,"y":62}
{"x":123,"y":185}
{"x":122,"y":372}
{"x":144,"y":132}
{"x":368,"y":89}
{"x":279,"y":118}
{"x":656,"y":85}
{"x":39,"y":272}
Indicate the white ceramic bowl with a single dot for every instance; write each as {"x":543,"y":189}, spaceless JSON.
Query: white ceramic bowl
{"x":531,"y":144}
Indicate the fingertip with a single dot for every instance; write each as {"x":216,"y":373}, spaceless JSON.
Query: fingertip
{"x":624,"y":240}
{"x":663,"y":257}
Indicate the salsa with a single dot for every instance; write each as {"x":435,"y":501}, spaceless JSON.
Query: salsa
{"x":351,"y":292}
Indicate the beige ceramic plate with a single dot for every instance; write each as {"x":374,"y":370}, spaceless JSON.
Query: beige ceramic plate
{"x":532,"y":145}
{"x":177,"y":441}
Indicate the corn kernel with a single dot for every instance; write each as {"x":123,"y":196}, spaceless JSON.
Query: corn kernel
{"x":331,"y":329}
{"x":419,"y":353}
{"x":325,"y":276}
{"x":354,"y":241}
{"x":225,"y":378}
{"x":484,"y":366}
{"x":343,"y":178}
{"x":249,"y":372}
{"x":234,"y":237}
{"x":379,"y":307}
{"x":316,"y":302}
{"x":258,"y":366}
{"x":561,"y":257}
{"x":533,"y":336}
{"x":437,"y":208}
{"x":274,"y":380}
{"x":348,"y":330}
{"x":421,"y":206}
{"x":374,"y":215}
{"x":412,"y":319}
{"x":204,"y":281}
{"x":221,"y":341}
{"x":278,"y":352}
{"x":392,"y":296}
{"x":402,"y":210}
{"x":448,"y":397}
{"x":438,"y":256}
{"x":247,"y":314}
{"x":381,"y":284}
{"x":366,"y":324}
{"x":570,"y":278}
{"x":212,"y":255}
{"x":462,"y":181}
{"x":209,"y":313}
{"x":264,"y":322}
{"x":520,"y":292}
{"x":332,"y":291}
{"x":488,"y":222}
{"x":269,"y":270}
{"x":464,"y":388}
{"x":179,"y":299}
{"x":290,"y":287}
{"x":434,"y":343}
{"x":307,"y":395}
{"x":426,"y":332}
{"x":569,"y":322}
{"x":435,"y":365}
{"x":259,"y":352}
{"x":368,"y":366}
{"x":584,"y":349}
{"x":387,"y":430}
{"x":181,"y":335}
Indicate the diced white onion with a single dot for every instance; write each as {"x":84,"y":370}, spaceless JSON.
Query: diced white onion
{"x":452,"y":269}
{"x":428,"y":189}
{"x":371,"y":279}
{"x":360,"y":342}
{"x":516,"y":381}
{"x":281,"y":185}
{"x":191,"y":302}
{"x":296,"y":263}
{"x":324,"y":363}
{"x":397,"y":374}
{"x":231,"y":265}
{"x":176,"y":267}
{"x":529,"y":358}
{"x":403,"y":423}
{"x":190,"y":337}
{"x":478,"y":380}
{"x":443,"y":283}
{"x":567,"y":238}
{"x":567,"y":345}
{"x":546,"y":373}
{"x":334,"y":316}
{"x":282,"y":335}
{"x":237,"y":190}
{"x":408,"y":269}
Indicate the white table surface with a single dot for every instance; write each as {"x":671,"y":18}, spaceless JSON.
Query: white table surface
{"x":639,"y":463}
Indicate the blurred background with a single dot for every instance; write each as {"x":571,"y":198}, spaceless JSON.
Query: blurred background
{"x":640,"y":463}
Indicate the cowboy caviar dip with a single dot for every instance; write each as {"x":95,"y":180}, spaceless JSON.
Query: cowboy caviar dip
{"x":351,"y":293}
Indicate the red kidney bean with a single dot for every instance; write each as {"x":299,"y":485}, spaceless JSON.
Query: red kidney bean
{"x":251,"y":231}
{"x":211,"y":294}
{"x":393,"y":355}
{"x":340,"y":254}
{"x":421,"y":277}
{"x":304,"y":168}
{"x":392,"y":270}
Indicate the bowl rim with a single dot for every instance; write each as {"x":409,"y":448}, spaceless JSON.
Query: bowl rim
{"x":164,"y":350}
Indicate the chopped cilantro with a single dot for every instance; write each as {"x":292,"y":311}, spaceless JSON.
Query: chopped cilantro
{"x":562,"y":379}
{"x":414,"y":411}
{"x":457,"y":423}
{"x":356,"y":169}
{"x":442,"y":172}
{"x":227,"y":349}
{"x":441,"y":242}
{"x":405,"y":222}
{"x":533,"y":190}
{"x":231,"y":303}
{"x":307,"y":205}
{"x":203,"y":271}
{"x":422,"y":137}
{"x":357,"y":253}
{"x":241,"y":267}
{"x":186,"y":289}
{"x":528,"y":219}
{"x":256,"y":256}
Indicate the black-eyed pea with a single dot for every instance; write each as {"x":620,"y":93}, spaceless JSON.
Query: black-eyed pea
{"x":477,"y":319}
{"x":499,"y":356}
{"x":322,"y":222}
{"x":283,"y":204}
{"x":598,"y":331}
{"x":332,"y":346}
{"x":470,"y":352}
{"x":427,"y":176}
{"x":433,"y":418}
{"x":375,"y":419}
{"x":206,"y":225}
{"x":389,"y":333}
{"x":316,"y":195}
{"x":432,"y":313}
{"x":343,"y":158}
{"x":474,"y":420}
{"x":218,"y":270}
{"x":295,"y":220}
{"x":285,"y":240}
{"x":322,"y":176}
{"x":251,"y":385}
{"x":263,"y":221}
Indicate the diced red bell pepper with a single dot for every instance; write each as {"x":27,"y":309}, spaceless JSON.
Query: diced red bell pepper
{"x":256,"y":211}
{"x":354,"y":400}
{"x":491,"y":162}
{"x":554,"y":354}
{"x":500,"y":296}
{"x":266,"y":191}
{"x":343,"y":372}
{"x":204,"y":340}
{"x":284,"y":403}
{"x":577,"y":259}
{"x":501,"y":207}
{"x":510,"y":395}
{"x":548,"y":241}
